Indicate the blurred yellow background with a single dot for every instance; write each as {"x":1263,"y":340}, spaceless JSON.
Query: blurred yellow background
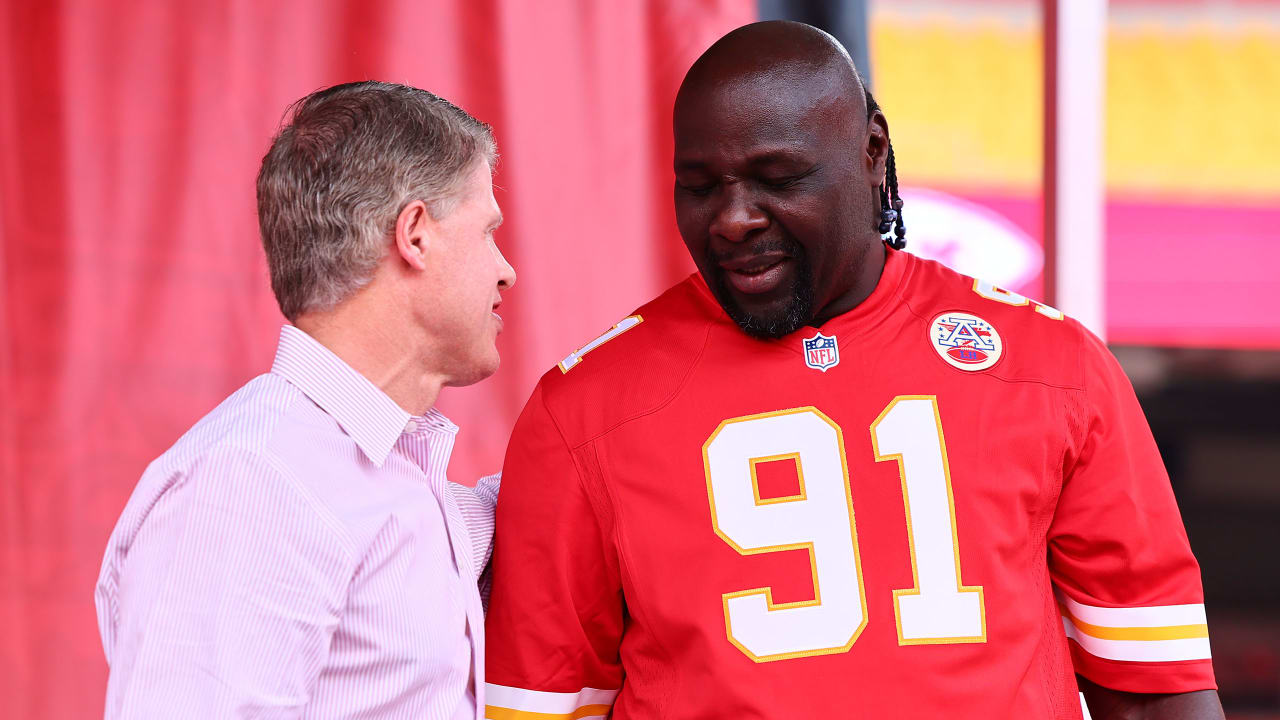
{"x":1192,"y":98}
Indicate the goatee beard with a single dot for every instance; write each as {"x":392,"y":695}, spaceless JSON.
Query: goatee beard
{"x":796,"y":312}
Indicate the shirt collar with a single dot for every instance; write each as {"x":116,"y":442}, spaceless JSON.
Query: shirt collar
{"x":433,"y":422}
{"x":371,"y":418}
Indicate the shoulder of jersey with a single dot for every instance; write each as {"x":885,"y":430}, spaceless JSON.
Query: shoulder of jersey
{"x":633,"y":368}
{"x":1038,"y":342}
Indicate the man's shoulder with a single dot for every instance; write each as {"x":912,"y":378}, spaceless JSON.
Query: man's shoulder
{"x":633,"y":368}
{"x":249,"y":421}
{"x":268,"y":431}
{"x":1022,"y":338}
{"x":231,"y":458}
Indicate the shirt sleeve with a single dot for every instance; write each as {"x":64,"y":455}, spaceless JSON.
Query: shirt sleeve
{"x":228,"y":597}
{"x":477,"y":505}
{"x":556,"y":612}
{"x":1127,"y":584}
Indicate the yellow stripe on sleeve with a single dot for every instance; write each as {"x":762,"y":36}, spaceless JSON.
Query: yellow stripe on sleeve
{"x":1169,"y":632}
{"x":500,"y":713}
{"x":1151,"y":633}
{"x":503,"y":702}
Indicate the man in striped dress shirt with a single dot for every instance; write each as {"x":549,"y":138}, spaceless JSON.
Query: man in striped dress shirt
{"x":300,"y":552}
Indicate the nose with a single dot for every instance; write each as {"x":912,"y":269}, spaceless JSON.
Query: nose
{"x":738,"y":216}
{"x":506,"y":273}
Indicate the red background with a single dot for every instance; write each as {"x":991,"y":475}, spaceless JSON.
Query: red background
{"x":133,"y":291}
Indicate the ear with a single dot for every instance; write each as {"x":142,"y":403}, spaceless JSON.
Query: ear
{"x":415,"y":231}
{"x":876,"y":154}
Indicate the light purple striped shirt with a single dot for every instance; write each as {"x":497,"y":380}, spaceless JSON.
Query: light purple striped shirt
{"x":299,"y":553}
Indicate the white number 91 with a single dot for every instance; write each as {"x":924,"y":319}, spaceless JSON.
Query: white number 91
{"x":820,"y":519}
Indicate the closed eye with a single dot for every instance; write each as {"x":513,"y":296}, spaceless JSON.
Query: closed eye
{"x":699,"y":190}
{"x":785,"y":181}
{"x":780,"y":183}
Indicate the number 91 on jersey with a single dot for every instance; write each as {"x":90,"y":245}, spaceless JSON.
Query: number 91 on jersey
{"x":820,"y":519}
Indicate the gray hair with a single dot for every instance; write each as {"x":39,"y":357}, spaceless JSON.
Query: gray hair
{"x":340,"y":171}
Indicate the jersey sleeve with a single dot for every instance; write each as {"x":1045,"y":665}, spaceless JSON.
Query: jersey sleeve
{"x":1127,"y":584}
{"x":556,"y":611}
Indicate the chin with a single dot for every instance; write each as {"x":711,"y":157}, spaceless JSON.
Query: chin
{"x":477,"y":370}
{"x":769,"y":319}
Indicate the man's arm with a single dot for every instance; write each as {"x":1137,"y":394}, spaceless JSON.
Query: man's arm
{"x":229,"y":597}
{"x":1126,"y":581}
{"x":556,"y":617}
{"x":1107,"y":704}
{"x":476,"y":505}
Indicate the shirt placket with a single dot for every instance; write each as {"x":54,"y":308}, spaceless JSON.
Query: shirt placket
{"x":430,"y":450}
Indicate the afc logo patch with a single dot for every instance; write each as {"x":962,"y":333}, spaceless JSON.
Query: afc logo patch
{"x":965,"y":341}
{"x":821,"y":352}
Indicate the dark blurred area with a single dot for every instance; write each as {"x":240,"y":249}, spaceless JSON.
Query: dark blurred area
{"x":1214,"y":416}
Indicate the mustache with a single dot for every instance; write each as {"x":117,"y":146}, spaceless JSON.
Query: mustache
{"x":784,"y":245}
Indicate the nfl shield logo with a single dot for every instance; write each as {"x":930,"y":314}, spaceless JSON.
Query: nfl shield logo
{"x":821,"y":352}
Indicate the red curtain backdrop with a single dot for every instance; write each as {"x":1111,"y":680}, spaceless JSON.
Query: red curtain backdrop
{"x":133,"y":291}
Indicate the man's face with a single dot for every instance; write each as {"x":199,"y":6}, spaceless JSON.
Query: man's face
{"x":772,"y":198}
{"x":469,"y":273}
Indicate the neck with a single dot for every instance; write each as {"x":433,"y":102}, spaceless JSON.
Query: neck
{"x":368,"y":334}
{"x":867,"y":270}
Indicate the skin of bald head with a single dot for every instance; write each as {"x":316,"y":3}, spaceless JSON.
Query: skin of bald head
{"x":777,"y":173}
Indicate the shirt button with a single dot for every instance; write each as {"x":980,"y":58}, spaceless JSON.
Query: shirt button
{"x":410,"y":427}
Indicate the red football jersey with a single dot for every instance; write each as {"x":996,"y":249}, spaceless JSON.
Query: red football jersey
{"x":943,"y":503}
